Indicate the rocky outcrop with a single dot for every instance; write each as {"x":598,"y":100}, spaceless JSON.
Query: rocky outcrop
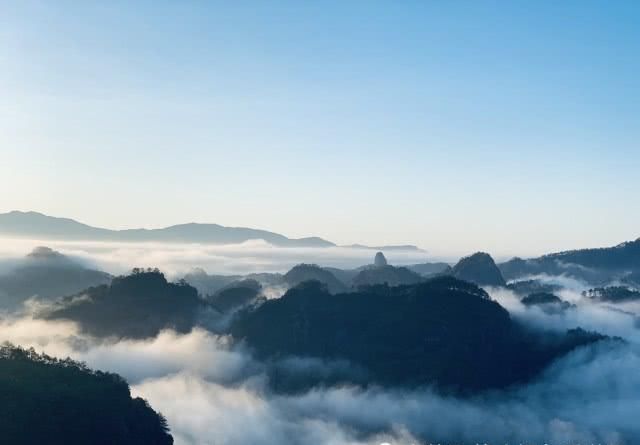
{"x":379,"y":260}
{"x":480,"y":269}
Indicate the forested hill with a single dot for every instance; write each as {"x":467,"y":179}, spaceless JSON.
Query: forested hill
{"x":443,"y":332}
{"x":596,"y":265}
{"x":44,"y":400}
{"x":139,"y":305}
{"x":45,"y":274}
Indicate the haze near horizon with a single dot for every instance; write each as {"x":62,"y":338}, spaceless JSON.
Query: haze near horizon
{"x":477,"y":126}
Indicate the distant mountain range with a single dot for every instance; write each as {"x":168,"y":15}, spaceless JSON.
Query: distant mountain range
{"x":596,"y":266}
{"x":37,"y":225}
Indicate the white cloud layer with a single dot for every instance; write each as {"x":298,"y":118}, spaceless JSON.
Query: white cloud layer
{"x":213,"y":392}
{"x":176,"y":259}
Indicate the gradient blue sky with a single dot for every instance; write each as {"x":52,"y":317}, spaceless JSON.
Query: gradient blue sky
{"x":511,"y":126}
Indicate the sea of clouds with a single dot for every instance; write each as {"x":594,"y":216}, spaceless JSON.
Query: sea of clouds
{"x":177,"y":259}
{"x":212,"y":391}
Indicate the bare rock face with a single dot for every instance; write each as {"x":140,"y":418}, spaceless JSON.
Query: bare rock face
{"x":380,"y":260}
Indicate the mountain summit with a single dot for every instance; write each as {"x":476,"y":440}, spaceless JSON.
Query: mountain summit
{"x":380,"y":260}
{"x":480,"y":269}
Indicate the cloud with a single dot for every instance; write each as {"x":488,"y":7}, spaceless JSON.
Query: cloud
{"x":605,"y":318}
{"x":567,"y":282}
{"x":212,"y":391}
{"x":200,"y":352}
{"x":201,"y":412}
{"x":589,"y":397}
{"x":176,"y":259}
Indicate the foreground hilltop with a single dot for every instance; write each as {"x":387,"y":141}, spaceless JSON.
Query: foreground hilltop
{"x":51,"y":401}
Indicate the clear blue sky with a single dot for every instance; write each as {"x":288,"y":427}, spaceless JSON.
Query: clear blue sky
{"x":511,"y":127}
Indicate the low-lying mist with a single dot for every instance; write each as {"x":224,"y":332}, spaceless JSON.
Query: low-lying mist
{"x":615,"y":320}
{"x":213,"y":391}
{"x":176,"y":259}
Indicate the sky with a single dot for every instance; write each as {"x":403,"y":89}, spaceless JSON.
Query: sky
{"x":510,"y":127}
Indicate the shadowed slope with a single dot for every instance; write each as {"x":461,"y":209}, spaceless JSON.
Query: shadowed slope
{"x":480,"y":269}
{"x":135,"y":306}
{"x":46,"y":274}
{"x":50,"y":401}
{"x":443,"y":332}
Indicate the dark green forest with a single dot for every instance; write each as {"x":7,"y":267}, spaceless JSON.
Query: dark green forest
{"x":613,"y":294}
{"x":51,"y":401}
{"x":444,"y":332}
{"x":139,"y":305}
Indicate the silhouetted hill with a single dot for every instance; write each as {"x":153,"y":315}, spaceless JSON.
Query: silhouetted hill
{"x":62,"y":402}
{"x":46,"y":274}
{"x":380,"y":260}
{"x":548,"y":302}
{"x":345,"y":276}
{"x":49,"y":257}
{"x":235,"y":295}
{"x":591,"y":265}
{"x":136,"y":306}
{"x":623,"y":256}
{"x":442,"y":332}
{"x":480,"y":269}
{"x":526,"y":287}
{"x":266,"y":278}
{"x":37,"y":225}
{"x":380,"y":272}
{"x":391,"y":275}
{"x":209,"y":284}
{"x":518,"y":267}
{"x":424,"y":270}
{"x":431,"y":269}
{"x":613,"y":294}
{"x":540,"y":298}
{"x":307,"y":272}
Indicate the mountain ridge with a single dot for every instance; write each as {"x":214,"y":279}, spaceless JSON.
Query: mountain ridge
{"x":32,"y":224}
{"x":593,"y":265}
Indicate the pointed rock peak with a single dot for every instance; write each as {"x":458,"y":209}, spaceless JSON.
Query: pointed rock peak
{"x":380,"y":260}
